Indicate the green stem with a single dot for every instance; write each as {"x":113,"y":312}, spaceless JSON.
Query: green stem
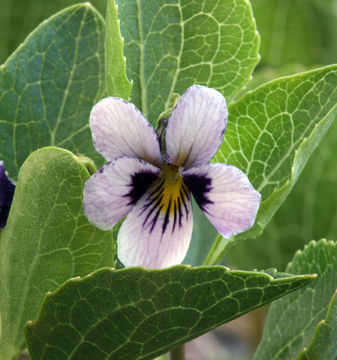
{"x":177,"y":353}
{"x":219,"y":248}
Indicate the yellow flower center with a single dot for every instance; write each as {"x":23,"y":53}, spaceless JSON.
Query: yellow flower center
{"x":169,"y":192}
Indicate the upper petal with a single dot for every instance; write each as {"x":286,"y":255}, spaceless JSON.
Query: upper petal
{"x":225,"y":195}
{"x":111,"y":193}
{"x":120,"y":129}
{"x":157,"y":231}
{"x":196,"y":127}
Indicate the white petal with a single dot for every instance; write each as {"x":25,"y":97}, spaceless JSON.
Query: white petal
{"x":119,"y":129}
{"x":112,"y":192}
{"x":225,"y":195}
{"x":157,"y":232}
{"x":196,"y":127}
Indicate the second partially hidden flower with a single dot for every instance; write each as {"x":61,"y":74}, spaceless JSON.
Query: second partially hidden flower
{"x":154,"y":189}
{"x":7,"y":188}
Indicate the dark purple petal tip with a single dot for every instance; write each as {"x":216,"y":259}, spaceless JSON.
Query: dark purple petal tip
{"x":7,"y":189}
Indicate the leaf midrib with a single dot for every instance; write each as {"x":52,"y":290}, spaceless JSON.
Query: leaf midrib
{"x":143,"y":96}
{"x":191,"y":334}
{"x":176,"y":75}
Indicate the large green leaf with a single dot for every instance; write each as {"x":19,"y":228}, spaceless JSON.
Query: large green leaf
{"x":138,"y":314}
{"x":18,"y":18}
{"x":324,"y":342}
{"x":292,"y":321}
{"x":308,"y":213}
{"x":49,"y":85}
{"x":271,"y":133}
{"x":46,"y":241}
{"x":173,"y":44}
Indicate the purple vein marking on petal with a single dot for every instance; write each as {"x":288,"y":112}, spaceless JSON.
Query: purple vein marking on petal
{"x":180,"y":212}
{"x":155,"y":203}
{"x":185,"y":191}
{"x":199,"y":186}
{"x":158,"y":187}
{"x":175,"y":215}
{"x":167,"y":216}
{"x":155,"y":218}
{"x":184,"y":195}
{"x":153,"y":199}
{"x":139,"y":184}
{"x":187,"y":156}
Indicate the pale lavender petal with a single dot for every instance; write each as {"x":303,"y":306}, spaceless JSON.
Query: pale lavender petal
{"x":225,"y":195}
{"x":196,"y":127}
{"x":119,"y":129}
{"x":157,"y":231}
{"x":112,"y":192}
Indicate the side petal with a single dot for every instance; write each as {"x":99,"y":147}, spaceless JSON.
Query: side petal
{"x":120,"y":129}
{"x":225,"y":195}
{"x":111,"y":193}
{"x":157,"y":231}
{"x":196,"y":127}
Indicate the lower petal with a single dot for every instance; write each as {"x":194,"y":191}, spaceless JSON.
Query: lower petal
{"x":225,"y":195}
{"x":157,"y":232}
{"x":113,"y":191}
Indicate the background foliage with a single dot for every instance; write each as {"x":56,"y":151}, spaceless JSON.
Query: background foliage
{"x":309,"y":212}
{"x":296,"y":35}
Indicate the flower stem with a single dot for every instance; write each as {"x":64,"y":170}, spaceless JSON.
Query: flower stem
{"x":219,"y":248}
{"x":177,"y":353}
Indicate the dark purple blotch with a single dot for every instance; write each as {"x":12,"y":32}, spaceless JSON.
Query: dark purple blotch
{"x":152,"y":203}
{"x":7,"y":189}
{"x":140,"y":182}
{"x":199,"y":186}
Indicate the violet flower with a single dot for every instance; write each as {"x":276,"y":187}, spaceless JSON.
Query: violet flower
{"x":7,"y":189}
{"x":154,"y":189}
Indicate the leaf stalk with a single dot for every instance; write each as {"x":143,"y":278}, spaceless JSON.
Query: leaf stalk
{"x":178,"y":353}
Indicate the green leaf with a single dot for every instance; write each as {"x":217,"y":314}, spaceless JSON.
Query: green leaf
{"x":138,"y":314}
{"x":310,"y":211}
{"x":292,"y":321}
{"x":271,"y":134}
{"x":324,"y":343}
{"x":117,"y":83}
{"x":46,"y":241}
{"x":19,"y":18}
{"x":171,"y":45}
{"x":49,"y":85}
{"x":265,"y":74}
